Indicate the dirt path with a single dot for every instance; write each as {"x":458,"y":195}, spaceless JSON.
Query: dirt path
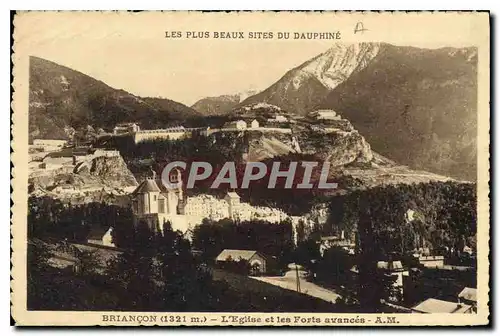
{"x":289,"y":282}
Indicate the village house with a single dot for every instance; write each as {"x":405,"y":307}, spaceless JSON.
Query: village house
{"x":431,"y":261}
{"x":254,"y":124}
{"x":205,"y":206}
{"x":256,"y":260}
{"x":432,"y":305}
{"x":395,"y":268}
{"x":73,"y":156}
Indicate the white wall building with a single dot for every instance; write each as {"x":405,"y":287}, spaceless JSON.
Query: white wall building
{"x":49,"y":144}
{"x":325,"y":115}
{"x":154,"y":205}
{"x":125,"y":128}
{"x":394,"y":268}
{"x":278,"y":118}
{"x":236,"y":124}
{"x":172,"y":133}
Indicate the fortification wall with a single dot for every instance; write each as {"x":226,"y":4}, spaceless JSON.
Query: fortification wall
{"x":160,"y":134}
{"x":106,"y":153}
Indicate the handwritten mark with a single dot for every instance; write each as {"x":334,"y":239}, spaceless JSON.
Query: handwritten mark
{"x":359,"y":28}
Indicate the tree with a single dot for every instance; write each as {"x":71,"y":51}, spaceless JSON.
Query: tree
{"x":269,"y":238}
{"x":86,"y":262}
{"x":336,"y":265}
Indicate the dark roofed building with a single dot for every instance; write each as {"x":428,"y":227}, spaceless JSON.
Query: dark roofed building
{"x":256,"y":260}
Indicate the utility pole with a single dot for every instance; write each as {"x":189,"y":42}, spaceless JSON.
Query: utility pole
{"x":298,"y":280}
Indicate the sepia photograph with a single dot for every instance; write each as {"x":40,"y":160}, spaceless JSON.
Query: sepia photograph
{"x":250,"y":168}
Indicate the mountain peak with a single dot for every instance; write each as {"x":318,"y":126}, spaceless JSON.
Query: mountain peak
{"x":417,"y":106}
{"x":304,"y":87}
{"x":336,"y":64}
{"x":221,"y":104}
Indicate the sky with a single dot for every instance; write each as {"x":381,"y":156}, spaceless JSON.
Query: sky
{"x":183,"y":73}
{"x":132,"y":53}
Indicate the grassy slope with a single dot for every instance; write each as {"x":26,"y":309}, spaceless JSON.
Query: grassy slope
{"x":60,"y":96}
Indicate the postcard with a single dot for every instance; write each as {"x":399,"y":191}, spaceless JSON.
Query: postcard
{"x":250,"y":168}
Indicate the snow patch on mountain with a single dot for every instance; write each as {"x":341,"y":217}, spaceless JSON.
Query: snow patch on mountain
{"x":336,"y":64}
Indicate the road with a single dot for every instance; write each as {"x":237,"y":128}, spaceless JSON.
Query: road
{"x":289,"y":281}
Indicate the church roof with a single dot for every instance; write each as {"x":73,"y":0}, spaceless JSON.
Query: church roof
{"x":147,"y":186}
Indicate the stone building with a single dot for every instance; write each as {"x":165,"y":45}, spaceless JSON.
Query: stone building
{"x":256,"y":260}
{"x":233,"y":201}
{"x":153,"y":204}
{"x":325,"y":115}
{"x":395,"y":268}
{"x":236,"y":124}
{"x":172,"y":133}
{"x":126,"y":128}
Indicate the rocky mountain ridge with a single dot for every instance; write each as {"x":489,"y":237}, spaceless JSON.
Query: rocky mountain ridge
{"x":220,"y":105}
{"x":304,"y":87}
{"x":415,"y":106}
{"x":102,"y":177}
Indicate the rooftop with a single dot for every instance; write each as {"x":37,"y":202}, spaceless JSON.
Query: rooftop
{"x":147,"y":185}
{"x":469,"y":294}
{"x":235,"y":255}
{"x":123,"y":124}
{"x":390,"y":265}
{"x":427,"y":258}
{"x":440,"y":306}
{"x":324,"y":111}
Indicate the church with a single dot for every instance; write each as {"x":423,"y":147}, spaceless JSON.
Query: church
{"x":153,"y":204}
